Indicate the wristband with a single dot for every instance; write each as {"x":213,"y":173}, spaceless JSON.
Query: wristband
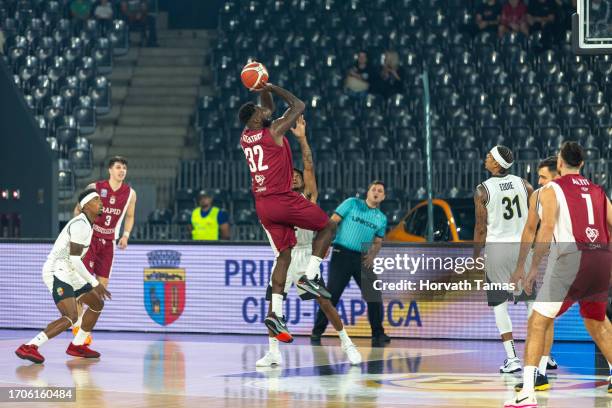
{"x":126,"y":234}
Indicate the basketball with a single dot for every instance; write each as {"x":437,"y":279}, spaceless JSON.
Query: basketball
{"x":254,"y":75}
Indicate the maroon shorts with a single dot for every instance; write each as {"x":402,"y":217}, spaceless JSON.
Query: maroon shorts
{"x":281,"y":213}
{"x":590,"y":289}
{"x":582,"y":277}
{"x":99,"y":257}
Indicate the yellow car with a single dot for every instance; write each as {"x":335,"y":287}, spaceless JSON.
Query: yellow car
{"x":453,"y":222}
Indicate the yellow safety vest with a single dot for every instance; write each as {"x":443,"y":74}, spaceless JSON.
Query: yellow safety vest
{"x":205,"y":228}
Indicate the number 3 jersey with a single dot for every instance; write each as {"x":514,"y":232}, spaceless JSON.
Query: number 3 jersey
{"x":507,"y":206}
{"x":271,"y":165}
{"x":115,"y":204}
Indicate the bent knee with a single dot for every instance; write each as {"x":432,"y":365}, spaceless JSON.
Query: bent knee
{"x":73,"y":316}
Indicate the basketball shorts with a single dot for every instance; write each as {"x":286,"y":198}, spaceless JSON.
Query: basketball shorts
{"x":99,"y":258}
{"x":63,"y":283}
{"x":582,"y":277}
{"x":279,"y":214}
{"x":500,"y":263}
{"x":297,"y":268}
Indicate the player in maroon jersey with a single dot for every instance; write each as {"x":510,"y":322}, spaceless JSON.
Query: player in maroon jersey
{"x":119,"y":201}
{"x":279,"y":208}
{"x":576,"y":218}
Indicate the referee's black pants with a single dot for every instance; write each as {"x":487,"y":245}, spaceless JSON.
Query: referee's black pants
{"x":344,"y":264}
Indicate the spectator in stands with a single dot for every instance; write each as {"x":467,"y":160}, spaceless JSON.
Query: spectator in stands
{"x":541,"y":17}
{"x":209,"y":223}
{"x":391,"y":75}
{"x":80,"y":10}
{"x":488,"y":15}
{"x":514,"y":18}
{"x":359,"y":76}
{"x":104,"y":14}
{"x":136,"y":12}
{"x":2,"y":41}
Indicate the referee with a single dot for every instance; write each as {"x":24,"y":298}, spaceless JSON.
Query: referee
{"x":359,"y":222}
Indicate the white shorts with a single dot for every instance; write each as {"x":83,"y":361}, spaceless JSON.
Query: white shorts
{"x":500,"y":261}
{"x":299,"y":261}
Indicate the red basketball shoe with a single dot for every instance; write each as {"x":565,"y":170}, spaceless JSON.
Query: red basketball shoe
{"x":30,"y":352}
{"x":81,"y":351}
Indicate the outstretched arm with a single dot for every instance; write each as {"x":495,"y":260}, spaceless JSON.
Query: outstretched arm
{"x":310,"y":181}
{"x":296,"y":107}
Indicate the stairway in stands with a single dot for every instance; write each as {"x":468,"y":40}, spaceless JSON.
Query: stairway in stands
{"x":154,"y":97}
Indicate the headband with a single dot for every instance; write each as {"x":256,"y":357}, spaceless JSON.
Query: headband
{"x":498,"y":158}
{"x":88,"y":198}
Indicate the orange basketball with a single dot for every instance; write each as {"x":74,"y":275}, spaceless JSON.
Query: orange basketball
{"x":254,"y":75}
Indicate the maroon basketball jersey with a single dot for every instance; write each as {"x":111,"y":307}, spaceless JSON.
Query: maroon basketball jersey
{"x":582,"y":211}
{"x":115,"y":205}
{"x":271,"y":165}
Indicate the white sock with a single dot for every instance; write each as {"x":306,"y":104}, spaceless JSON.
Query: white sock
{"x":312,"y":270}
{"x":277,"y":304}
{"x":40,"y":339}
{"x":509,"y":346}
{"x":273,"y":342}
{"x":80,"y":337}
{"x":529,"y":373}
{"x":344,"y":337}
{"x":543,"y":364}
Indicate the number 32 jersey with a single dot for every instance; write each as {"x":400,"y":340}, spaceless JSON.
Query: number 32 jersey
{"x":506,"y":208}
{"x":271,"y":165}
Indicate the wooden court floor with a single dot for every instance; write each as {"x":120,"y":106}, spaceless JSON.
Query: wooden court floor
{"x":166,"y":371}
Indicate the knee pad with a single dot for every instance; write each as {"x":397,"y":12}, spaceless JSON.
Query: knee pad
{"x":502,"y":318}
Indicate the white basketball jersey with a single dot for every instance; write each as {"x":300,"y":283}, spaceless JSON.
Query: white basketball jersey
{"x":303,"y":237}
{"x":507,"y":207}
{"x":78,"y":230}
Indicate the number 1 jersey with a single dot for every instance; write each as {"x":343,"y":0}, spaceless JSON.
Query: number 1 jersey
{"x":582,"y":213}
{"x":271,"y":165}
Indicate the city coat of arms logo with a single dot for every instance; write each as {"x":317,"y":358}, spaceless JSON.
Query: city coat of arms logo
{"x":164,"y":286}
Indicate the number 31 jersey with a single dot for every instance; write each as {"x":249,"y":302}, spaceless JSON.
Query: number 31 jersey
{"x":507,"y":206}
{"x":271,"y":165}
{"x":115,"y":204}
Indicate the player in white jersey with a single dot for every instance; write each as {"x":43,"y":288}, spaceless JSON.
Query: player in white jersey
{"x":501,"y":212}
{"x":68,"y":280}
{"x":306,"y":184}
{"x":547,"y":171}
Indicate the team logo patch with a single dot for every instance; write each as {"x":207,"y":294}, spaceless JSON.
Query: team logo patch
{"x":112,"y":200}
{"x":591,"y":233}
{"x":164,"y":286}
{"x":60,"y":291}
{"x":259,"y":179}
{"x":104,"y":193}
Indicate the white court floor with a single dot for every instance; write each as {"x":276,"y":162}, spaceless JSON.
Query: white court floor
{"x":156,"y":370}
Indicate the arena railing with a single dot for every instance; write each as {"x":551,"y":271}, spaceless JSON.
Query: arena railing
{"x":351,"y":176}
